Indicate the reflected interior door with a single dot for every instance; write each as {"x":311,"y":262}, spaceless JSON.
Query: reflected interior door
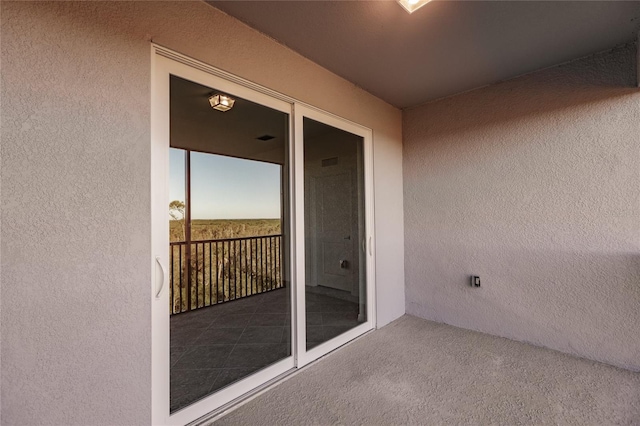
{"x":335,"y":256}
{"x":332,"y":218}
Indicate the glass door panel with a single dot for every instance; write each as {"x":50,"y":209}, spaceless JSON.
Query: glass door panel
{"x":334,"y":233}
{"x":248,"y":207}
{"x":229,"y":290}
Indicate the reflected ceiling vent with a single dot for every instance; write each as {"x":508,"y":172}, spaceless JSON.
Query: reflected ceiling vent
{"x":265,"y":137}
{"x":330,"y":162}
{"x":412,"y":5}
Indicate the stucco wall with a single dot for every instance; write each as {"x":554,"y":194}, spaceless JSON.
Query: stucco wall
{"x":75,"y":220}
{"x":75,"y":236}
{"x":534,"y":185}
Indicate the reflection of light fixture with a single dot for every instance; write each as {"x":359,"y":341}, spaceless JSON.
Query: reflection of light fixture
{"x":221,"y":102}
{"x":412,"y":5}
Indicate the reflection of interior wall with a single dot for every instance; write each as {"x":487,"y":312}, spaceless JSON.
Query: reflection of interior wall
{"x":343,"y":146}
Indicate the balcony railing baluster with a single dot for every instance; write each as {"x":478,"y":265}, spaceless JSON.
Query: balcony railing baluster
{"x":243,"y":267}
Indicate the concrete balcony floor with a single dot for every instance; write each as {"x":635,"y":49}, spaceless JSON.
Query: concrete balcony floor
{"x":214,"y":346}
{"x":415,"y":371}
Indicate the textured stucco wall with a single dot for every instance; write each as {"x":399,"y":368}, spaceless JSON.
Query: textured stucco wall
{"x":75,"y":220}
{"x":75,"y":235}
{"x":533,"y":184}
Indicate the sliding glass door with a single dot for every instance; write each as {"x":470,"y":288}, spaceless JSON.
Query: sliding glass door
{"x":222,"y":290}
{"x":262,"y":237}
{"x":335,"y":287}
{"x":334,"y":212}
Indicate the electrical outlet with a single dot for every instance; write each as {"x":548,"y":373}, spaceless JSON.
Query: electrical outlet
{"x":475,"y":281}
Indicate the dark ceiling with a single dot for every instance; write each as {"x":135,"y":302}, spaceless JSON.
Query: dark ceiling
{"x":446,"y":47}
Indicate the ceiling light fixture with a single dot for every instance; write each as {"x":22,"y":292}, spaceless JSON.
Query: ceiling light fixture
{"x":412,"y":5}
{"x":221,"y":102}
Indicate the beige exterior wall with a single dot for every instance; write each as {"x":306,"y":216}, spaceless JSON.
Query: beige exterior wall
{"x":534,"y":185}
{"x":75,"y":236}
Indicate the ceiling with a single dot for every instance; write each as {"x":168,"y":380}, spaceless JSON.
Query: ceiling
{"x":195,"y":125}
{"x":444,"y":48}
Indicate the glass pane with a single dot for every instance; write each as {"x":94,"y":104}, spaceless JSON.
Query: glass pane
{"x":335,"y":287}
{"x":229,"y":255}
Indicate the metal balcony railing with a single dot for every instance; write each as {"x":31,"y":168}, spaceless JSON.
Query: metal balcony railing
{"x":206,"y":273}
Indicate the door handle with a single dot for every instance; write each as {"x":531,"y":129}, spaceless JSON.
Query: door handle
{"x":370,"y":248}
{"x":163,"y":275}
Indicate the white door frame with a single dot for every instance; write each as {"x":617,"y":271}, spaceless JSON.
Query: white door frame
{"x":165,"y":62}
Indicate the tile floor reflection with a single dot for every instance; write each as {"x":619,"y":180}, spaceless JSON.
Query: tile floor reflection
{"x":215,"y":346}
